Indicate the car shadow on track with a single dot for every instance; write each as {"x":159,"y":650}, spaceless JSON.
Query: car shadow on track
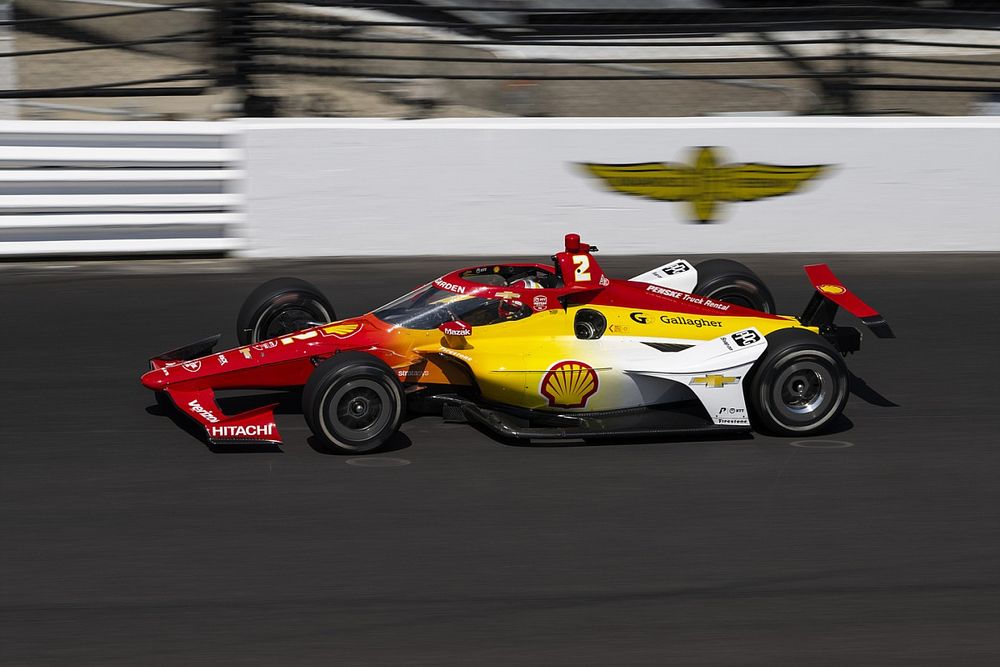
{"x":866,"y":393}
{"x":396,"y":442}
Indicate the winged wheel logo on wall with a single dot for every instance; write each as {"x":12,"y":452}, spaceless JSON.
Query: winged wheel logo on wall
{"x":705,"y":183}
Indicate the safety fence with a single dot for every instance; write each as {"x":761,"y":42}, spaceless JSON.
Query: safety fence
{"x":84,"y":188}
{"x":530,"y":58}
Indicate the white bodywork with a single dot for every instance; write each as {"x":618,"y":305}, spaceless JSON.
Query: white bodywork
{"x":639,"y":374}
{"x":678,"y":274}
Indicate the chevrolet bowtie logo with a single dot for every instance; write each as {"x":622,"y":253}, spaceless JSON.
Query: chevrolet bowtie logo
{"x":715,"y":381}
{"x":706,"y":183}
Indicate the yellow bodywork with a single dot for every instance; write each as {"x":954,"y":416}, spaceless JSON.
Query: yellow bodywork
{"x":539,"y":363}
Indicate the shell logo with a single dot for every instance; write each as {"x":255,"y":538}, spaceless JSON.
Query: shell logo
{"x":341,"y":330}
{"x":569,"y":384}
{"x":831,"y":289}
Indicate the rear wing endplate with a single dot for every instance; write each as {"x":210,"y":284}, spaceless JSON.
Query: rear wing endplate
{"x":831,"y":294}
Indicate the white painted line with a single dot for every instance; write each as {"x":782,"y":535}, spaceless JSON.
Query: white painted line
{"x":822,"y":444}
{"x":118,"y":246}
{"x":377,"y":462}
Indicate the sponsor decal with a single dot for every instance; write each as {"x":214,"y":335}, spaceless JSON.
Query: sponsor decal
{"x":245,"y":351}
{"x":193,"y":366}
{"x":441,"y":284}
{"x":241,"y":431}
{"x":734,"y":416}
{"x":508,"y":295}
{"x":697,"y":322}
{"x":689,"y":298}
{"x":831,"y":289}
{"x":705,"y":183}
{"x":222,"y":359}
{"x":411,"y":373}
{"x":604,"y":282}
{"x":540,"y":302}
{"x":618,"y":328}
{"x":639,"y":317}
{"x":715,"y":381}
{"x":746,"y":337}
{"x":197,"y":408}
{"x":569,"y":384}
{"x":456,"y":330}
{"x":453,"y":353}
{"x":305,"y":335}
{"x":344,"y":330}
{"x":672,"y":269}
{"x":266,"y":345}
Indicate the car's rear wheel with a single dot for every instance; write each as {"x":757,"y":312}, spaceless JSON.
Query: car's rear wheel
{"x":281,"y":306}
{"x":798,"y":386}
{"x":732,"y":282}
{"x":353,"y":403}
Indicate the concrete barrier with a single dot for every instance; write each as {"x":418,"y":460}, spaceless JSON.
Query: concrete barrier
{"x":707,"y":185}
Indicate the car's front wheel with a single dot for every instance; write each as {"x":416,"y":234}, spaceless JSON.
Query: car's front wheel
{"x":798,"y":386}
{"x":279,"y":307}
{"x":353,"y":403}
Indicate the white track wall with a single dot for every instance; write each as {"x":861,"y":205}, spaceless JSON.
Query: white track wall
{"x":514,"y":186}
{"x":294,"y":188}
{"x":119,"y":188}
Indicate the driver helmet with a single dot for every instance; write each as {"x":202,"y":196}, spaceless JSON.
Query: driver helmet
{"x":526,"y":283}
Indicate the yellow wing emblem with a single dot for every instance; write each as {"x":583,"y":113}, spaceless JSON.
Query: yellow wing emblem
{"x":664,"y":181}
{"x":705,"y":183}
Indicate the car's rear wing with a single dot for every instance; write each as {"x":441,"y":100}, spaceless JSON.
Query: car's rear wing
{"x":831,"y":294}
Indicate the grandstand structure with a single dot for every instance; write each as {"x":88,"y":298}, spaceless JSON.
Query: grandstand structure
{"x":417,"y":58}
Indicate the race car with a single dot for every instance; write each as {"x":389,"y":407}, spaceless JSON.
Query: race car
{"x":533,"y":352}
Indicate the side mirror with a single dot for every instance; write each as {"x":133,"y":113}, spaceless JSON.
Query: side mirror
{"x":456,"y":328}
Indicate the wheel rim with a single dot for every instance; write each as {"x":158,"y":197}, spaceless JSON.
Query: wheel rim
{"x":804,"y":391}
{"x":358,"y":410}
{"x":285,"y":318}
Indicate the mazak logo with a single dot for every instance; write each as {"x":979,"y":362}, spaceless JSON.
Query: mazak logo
{"x":569,"y":384}
{"x":705,"y":183}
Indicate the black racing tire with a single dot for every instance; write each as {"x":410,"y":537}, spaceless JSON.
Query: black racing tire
{"x":732,"y":282}
{"x":281,"y":306}
{"x":353,"y":403}
{"x":798,"y":386}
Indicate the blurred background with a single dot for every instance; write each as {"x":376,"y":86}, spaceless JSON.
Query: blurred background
{"x":168,"y":59}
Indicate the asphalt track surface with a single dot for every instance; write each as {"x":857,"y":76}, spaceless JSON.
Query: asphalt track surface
{"x":126,"y":540}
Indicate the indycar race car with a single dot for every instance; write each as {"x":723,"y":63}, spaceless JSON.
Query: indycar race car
{"x":532,"y":351}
